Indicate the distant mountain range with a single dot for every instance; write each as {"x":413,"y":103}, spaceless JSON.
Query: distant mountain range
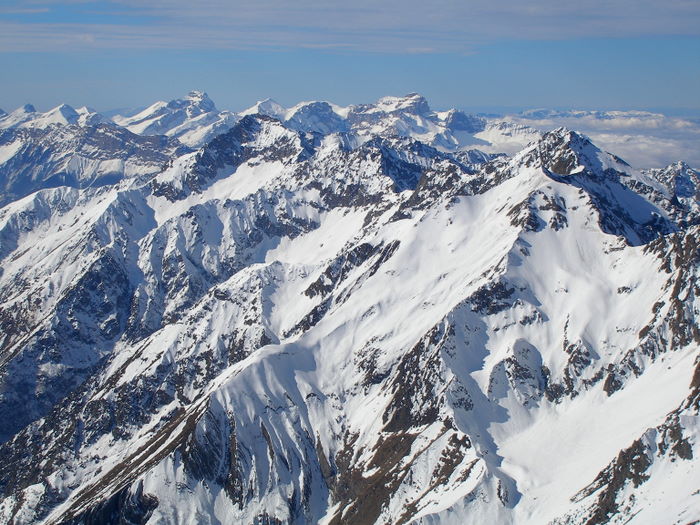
{"x":373,"y":314}
{"x":645,"y":139}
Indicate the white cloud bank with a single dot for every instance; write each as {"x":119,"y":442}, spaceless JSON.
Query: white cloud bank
{"x":644,"y":139}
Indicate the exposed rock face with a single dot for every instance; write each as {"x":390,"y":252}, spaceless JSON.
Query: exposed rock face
{"x":290,"y":325}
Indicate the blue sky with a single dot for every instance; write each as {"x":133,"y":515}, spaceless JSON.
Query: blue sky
{"x":475,"y":54}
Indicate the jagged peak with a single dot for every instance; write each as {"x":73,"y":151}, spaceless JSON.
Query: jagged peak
{"x":195,"y":103}
{"x":679,"y":179}
{"x":677,"y":168}
{"x":681,"y":166}
{"x":566,"y":152}
{"x":563,"y":137}
{"x":259,"y":129}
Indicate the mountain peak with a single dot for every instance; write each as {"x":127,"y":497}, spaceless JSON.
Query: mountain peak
{"x":566,"y":152}
{"x":563,"y":137}
{"x":566,"y":133}
{"x":67,"y":112}
{"x":201,"y":100}
{"x":682,"y":165}
{"x":680,"y":179}
{"x":195,"y":103}
{"x":27,"y":108}
{"x":267,"y":107}
{"x":459,"y":121}
{"x":412,"y":102}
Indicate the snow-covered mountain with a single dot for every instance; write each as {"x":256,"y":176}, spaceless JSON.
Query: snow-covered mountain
{"x":645,"y":139}
{"x":317,"y":317}
{"x":408,"y":116}
{"x":193,"y":120}
{"x":28,"y":117}
{"x":35,"y":157}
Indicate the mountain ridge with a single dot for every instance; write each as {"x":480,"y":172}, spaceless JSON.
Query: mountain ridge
{"x":289,"y":325}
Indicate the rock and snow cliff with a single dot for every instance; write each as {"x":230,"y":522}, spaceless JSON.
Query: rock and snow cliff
{"x":193,"y":120}
{"x":316,"y":317}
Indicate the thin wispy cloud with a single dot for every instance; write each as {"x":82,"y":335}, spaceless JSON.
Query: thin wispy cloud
{"x":23,"y":11}
{"x":390,"y":26}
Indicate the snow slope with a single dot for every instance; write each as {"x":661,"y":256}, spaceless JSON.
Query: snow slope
{"x":294,"y":325}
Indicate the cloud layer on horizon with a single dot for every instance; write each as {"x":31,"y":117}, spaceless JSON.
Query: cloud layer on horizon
{"x":642,"y":138}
